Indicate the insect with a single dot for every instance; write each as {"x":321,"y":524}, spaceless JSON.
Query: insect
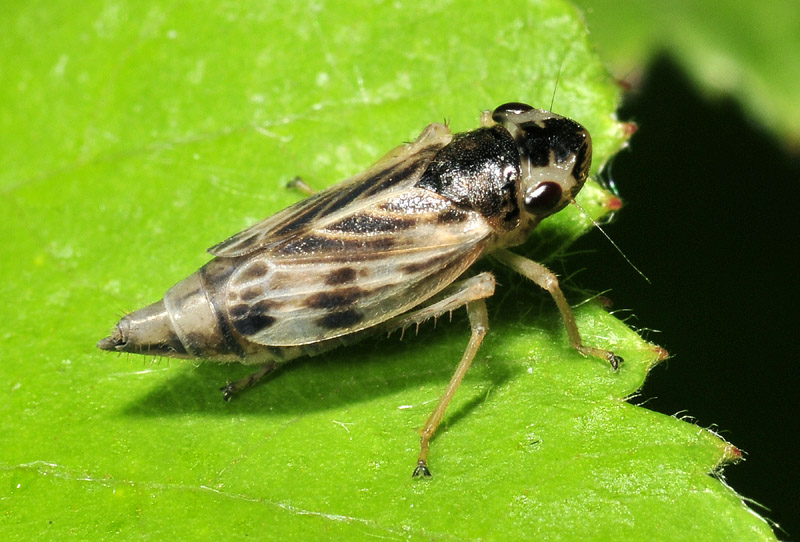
{"x":386,"y":249}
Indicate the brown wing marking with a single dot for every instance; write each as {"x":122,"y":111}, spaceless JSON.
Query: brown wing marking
{"x":398,"y":169}
{"x":340,"y":279}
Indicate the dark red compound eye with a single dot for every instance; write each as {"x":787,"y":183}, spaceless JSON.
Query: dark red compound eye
{"x":542,"y":199}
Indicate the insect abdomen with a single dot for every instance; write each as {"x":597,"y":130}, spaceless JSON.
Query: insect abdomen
{"x":187,"y":323}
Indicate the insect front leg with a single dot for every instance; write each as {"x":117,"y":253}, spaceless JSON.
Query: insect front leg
{"x":545,"y":279}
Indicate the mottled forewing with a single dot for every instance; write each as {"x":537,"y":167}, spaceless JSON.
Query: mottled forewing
{"x":398,"y":169}
{"x":355,"y":268}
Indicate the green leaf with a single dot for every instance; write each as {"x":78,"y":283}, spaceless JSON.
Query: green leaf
{"x":738,"y":48}
{"x":135,"y":135}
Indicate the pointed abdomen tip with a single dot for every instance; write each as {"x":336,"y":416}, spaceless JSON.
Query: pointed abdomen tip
{"x":109,"y":343}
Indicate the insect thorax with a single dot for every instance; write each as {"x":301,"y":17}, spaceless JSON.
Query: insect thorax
{"x":479,"y":171}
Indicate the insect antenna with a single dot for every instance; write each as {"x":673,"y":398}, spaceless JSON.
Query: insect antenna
{"x":610,"y":240}
{"x":555,"y":87}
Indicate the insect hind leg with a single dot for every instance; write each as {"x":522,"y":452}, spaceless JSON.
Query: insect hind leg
{"x":479,"y":323}
{"x":234,"y":388}
{"x":451,"y":298}
{"x":470,"y":292}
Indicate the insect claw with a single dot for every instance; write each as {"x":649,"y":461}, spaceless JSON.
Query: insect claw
{"x":421,"y":470}
{"x":612,"y":359}
{"x":228,"y":392}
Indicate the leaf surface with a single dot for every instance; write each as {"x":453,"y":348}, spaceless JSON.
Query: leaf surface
{"x":142,"y":133}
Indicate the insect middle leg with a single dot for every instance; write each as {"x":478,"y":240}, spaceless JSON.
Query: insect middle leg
{"x":545,"y":279}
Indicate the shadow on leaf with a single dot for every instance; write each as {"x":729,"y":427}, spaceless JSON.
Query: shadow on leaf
{"x":346,"y":376}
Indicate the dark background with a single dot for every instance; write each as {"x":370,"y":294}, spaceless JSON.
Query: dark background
{"x":711,"y":219}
